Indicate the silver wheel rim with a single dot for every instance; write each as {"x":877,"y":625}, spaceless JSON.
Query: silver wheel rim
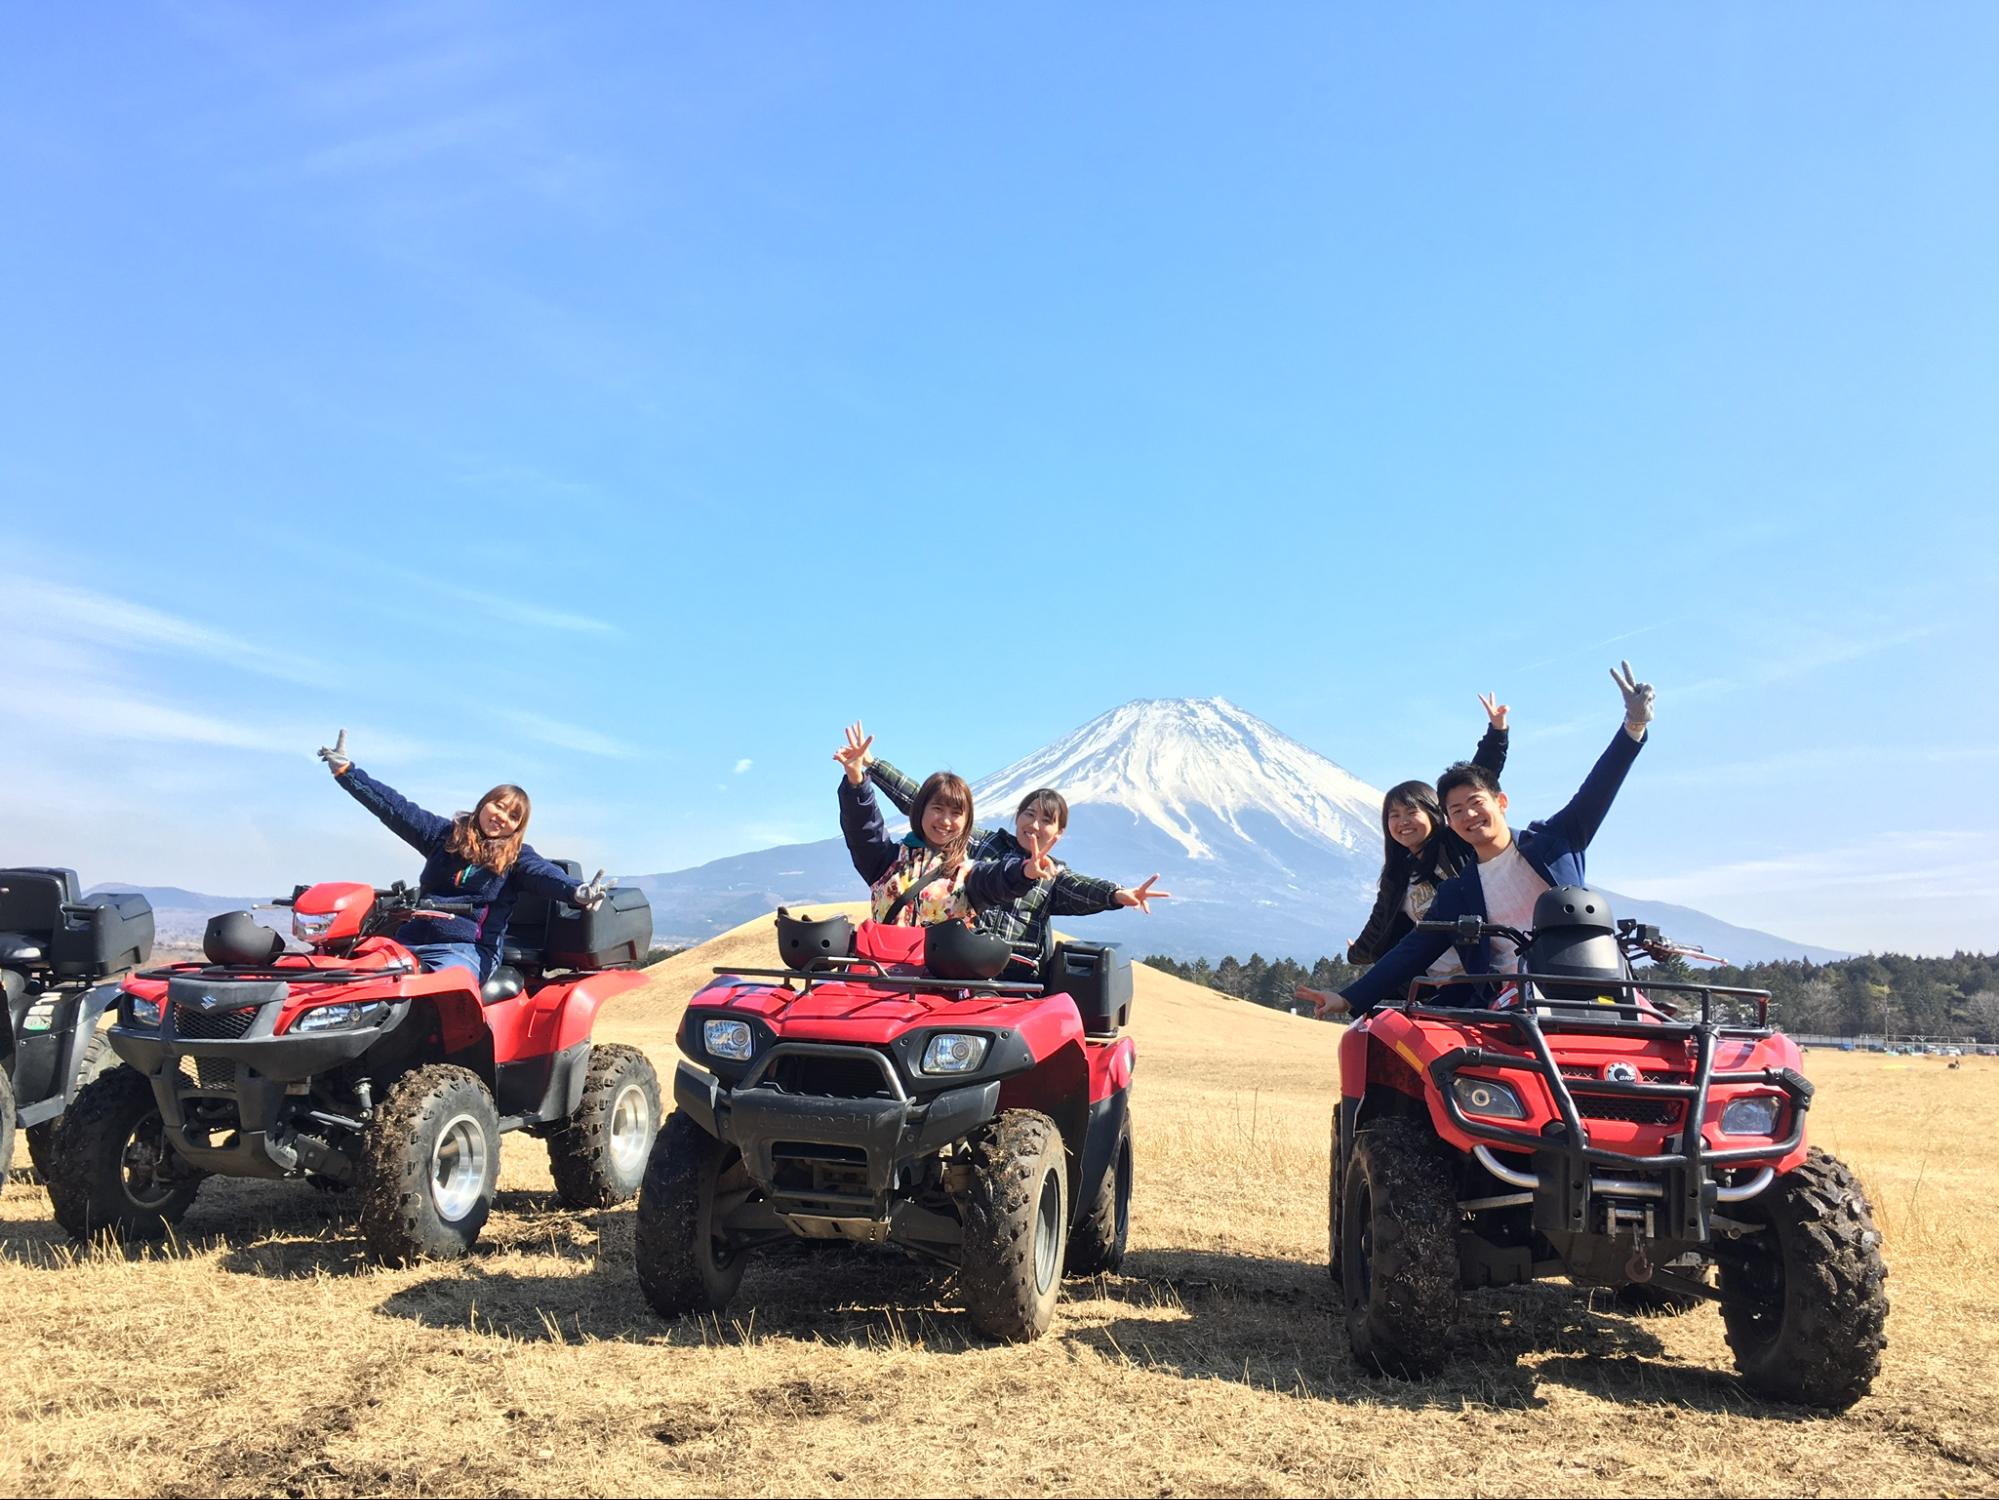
{"x":458,"y":1167}
{"x":1047,"y":1231}
{"x":139,"y":1164}
{"x":631,"y":1129}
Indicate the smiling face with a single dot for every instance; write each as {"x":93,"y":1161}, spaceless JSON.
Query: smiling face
{"x":1478,"y":817}
{"x":1041,"y":816}
{"x":944,"y":818}
{"x":1409,"y":825}
{"x":500,"y":816}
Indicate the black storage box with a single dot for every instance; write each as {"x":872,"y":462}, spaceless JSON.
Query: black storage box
{"x":109,"y":934}
{"x":79,"y":937}
{"x":1097,"y":976}
{"x":617,"y":935}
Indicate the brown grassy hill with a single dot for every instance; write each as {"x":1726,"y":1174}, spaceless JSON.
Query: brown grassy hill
{"x":262,"y":1356}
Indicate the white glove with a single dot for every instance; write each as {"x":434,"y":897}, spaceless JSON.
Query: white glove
{"x":335,"y":756}
{"x":590,"y":896}
{"x":1637,"y":700}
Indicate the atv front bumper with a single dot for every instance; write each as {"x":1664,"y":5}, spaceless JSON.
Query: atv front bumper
{"x":252,"y":1073}
{"x":822,"y":1161}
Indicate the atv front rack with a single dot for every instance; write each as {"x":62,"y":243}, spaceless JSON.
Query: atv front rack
{"x":874,"y":974}
{"x":1601,"y":1016}
{"x":294,"y":974}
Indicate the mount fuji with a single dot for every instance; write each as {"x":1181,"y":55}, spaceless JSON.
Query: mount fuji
{"x":1267,"y":846}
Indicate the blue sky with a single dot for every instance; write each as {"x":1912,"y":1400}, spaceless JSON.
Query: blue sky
{"x":618,"y":399}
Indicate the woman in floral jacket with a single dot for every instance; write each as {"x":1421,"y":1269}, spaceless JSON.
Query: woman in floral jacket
{"x":928,"y":876}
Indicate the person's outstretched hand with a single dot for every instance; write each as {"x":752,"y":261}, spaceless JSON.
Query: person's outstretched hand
{"x":1496,"y":713}
{"x":335,"y":755}
{"x":1323,"y":1002}
{"x":1038,"y":865}
{"x":853,"y":756}
{"x":591,"y":895}
{"x":1138,"y":896}
{"x":1637,"y":699}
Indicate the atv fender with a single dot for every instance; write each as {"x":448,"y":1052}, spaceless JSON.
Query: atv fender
{"x":1110,"y":1102}
{"x":1059,"y":1087}
{"x":557,"y":1016}
{"x":85,"y":1011}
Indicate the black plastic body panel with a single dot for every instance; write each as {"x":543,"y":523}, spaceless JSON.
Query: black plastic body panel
{"x":618,"y":933}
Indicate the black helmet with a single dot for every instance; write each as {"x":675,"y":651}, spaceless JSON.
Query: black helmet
{"x":236,"y":937}
{"x":951,"y":950}
{"x":1575,"y":933}
{"x":804,"y":943}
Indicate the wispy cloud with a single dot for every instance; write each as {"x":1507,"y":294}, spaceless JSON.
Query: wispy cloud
{"x":1946,"y":863}
{"x":104,"y":712}
{"x":744,"y":765}
{"x":564,"y":735}
{"x":1816,"y":762}
{"x":1825,"y":652}
{"x":63,"y":611}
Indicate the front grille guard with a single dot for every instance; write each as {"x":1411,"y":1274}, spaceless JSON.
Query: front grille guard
{"x":1593,"y":1018}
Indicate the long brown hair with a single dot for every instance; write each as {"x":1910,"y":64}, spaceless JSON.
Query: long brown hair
{"x":950,"y":785}
{"x":469,"y":844}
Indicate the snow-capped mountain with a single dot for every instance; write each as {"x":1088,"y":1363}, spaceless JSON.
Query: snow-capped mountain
{"x":1267,"y":846}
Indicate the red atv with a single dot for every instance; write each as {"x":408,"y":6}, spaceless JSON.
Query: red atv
{"x":350,"y":1065}
{"x":886,"y":1087}
{"x":1587,"y":1128}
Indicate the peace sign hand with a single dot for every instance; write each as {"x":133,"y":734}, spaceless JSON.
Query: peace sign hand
{"x":1139,"y":896}
{"x":1637,"y":698}
{"x":1038,"y":866}
{"x":335,"y":755}
{"x":853,"y":756}
{"x":1495,"y":713}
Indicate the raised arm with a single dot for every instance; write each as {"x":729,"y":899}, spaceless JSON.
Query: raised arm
{"x":868,"y":843}
{"x":1082,"y":895}
{"x":547,"y":878}
{"x":1491,"y":752}
{"x":422,"y":830}
{"x":1586,"y":810}
{"x":901,"y":790}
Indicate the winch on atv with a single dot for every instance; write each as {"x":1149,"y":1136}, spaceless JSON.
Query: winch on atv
{"x":888,"y":1088}
{"x":1646,"y":1137}
{"x":352,"y":1065}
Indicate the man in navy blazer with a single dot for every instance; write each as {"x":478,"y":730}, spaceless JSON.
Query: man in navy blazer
{"x":1512,"y":869}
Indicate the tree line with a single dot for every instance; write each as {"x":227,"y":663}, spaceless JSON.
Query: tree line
{"x":1955,"y":997}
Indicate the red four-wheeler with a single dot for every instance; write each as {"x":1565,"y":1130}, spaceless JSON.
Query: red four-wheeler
{"x":1650,"y":1140}
{"x":57,"y":946}
{"x":886,"y":1087}
{"x":350,"y":1065}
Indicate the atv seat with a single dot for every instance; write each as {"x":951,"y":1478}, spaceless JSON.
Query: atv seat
{"x":504,"y":985}
{"x":526,"y":937}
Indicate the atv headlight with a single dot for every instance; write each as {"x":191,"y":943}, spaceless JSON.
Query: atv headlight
{"x":1756,"y":1115}
{"x":326,"y":1018}
{"x":728,"y":1039}
{"x":1481,"y":1096}
{"x":310,"y":927}
{"x":139,"y":1011}
{"x":954,"y":1052}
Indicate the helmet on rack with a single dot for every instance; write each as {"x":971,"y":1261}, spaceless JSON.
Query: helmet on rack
{"x":804,"y":943}
{"x":1575,"y":933}
{"x":236,"y":937}
{"x":951,"y":950}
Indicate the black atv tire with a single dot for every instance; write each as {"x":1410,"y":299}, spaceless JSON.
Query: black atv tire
{"x":1818,"y":1288}
{"x":97,"y":1058}
{"x":6,"y":1125}
{"x":1333,"y":1256}
{"x":1016,"y":1215}
{"x":682,"y":1267}
{"x":105,"y":1170}
{"x":1399,"y":1249}
{"x":1096,"y":1244}
{"x":1643,"y":1300}
{"x":430,"y":1162}
{"x":598,"y":1157}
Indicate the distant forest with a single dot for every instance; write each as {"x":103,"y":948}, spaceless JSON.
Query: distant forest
{"x":1955,"y":997}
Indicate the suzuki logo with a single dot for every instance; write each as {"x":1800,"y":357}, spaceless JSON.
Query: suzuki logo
{"x":209,"y":1002}
{"x":1620,"y":1072}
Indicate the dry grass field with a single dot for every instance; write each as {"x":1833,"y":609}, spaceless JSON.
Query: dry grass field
{"x":261,"y":1356}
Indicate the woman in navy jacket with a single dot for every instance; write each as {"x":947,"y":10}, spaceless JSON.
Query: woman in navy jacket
{"x":475,"y":857}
